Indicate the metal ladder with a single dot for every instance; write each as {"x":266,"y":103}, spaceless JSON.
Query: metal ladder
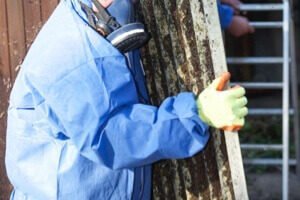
{"x":287,"y":58}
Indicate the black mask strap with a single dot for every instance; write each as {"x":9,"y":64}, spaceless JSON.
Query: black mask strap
{"x":101,"y":20}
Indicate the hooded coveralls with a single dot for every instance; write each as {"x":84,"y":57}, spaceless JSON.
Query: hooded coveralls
{"x":77,"y":129}
{"x":226,"y":13}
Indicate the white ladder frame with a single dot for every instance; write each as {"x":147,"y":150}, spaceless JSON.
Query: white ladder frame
{"x":286,"y":24}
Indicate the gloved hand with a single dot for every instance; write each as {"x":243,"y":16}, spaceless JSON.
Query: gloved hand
{"x":223,"y":109}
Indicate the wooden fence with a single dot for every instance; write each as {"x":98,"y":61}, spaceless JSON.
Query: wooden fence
{"x":20,"y":21}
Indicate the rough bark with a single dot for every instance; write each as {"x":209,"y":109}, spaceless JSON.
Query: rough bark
{"x":180,"y":57}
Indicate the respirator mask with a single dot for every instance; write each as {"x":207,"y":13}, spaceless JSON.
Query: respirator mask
{"x":117,"y":24}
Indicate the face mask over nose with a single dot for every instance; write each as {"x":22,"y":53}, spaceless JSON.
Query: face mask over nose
{"x":117,"y":24}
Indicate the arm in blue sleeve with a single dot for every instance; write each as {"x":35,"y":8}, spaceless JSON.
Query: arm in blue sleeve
{"x":147,"y":133}
{"x":225,"y":15}
{"x":96,"y":107}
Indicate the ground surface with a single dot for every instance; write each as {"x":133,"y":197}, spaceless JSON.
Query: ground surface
{"x":267,"y":186}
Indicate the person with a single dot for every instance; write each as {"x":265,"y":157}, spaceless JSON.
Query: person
{"x":79,"y":126}
{"x":230,"y":19}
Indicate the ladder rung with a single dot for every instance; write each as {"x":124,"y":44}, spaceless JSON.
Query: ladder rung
{"x":254,"y":60}
{"x":267,"y":161}
{"x":261,"y":7}
{"x":267,"y":24}
{"x":262,"y":146}
{"x":257,"y":85}
{"x":268,"y":111}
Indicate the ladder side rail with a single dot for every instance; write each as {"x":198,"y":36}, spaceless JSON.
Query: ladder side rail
{"x":285,"y":102}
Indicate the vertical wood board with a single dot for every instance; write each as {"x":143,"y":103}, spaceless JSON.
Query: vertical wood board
{"x":5,"y":85}
{"x":20,"y":21}
{"x":47,"y":7}
{"x":32,"y":20}
{"x":16,"y":34}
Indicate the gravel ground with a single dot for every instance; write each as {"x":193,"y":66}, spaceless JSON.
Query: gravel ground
{"x":267,"y":186}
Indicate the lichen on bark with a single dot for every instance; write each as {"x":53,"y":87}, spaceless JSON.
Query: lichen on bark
{"x":179,"y":58}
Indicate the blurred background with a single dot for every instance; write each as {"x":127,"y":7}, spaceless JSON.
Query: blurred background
{"x":259,"y":61}
{"x":256,"y":60}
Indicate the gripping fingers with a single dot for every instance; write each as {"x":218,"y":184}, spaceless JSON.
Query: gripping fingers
{"x":232,"y":128}
{"x":237,"y":92}
{"x":222,"y":81}
{"x":241,"y":113}
{"x":241,"y":102}
{"x":238,"y":124}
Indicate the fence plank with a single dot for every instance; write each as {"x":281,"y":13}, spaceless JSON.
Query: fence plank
{"x":5,"y":85}
{"x":47,"y":8}
{"x":16,"y":34}
{"x":20,"y":21}
{"x":33,"y":21}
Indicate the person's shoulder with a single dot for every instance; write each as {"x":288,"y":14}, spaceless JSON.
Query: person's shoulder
{"x":63,"y":44}
{"x":57,"y":41}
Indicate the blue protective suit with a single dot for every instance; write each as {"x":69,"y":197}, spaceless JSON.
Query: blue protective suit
{"x":225,"y":14}
{"x":76,"y":127}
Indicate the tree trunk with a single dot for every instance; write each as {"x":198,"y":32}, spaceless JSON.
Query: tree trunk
{"x":185,"y":53}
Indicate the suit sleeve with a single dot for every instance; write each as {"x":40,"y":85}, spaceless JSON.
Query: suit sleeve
{"x":225,"y":15}
{"x":95,"y":106}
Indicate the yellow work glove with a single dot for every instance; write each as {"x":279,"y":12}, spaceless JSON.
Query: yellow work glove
{"x":223,"y":109}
